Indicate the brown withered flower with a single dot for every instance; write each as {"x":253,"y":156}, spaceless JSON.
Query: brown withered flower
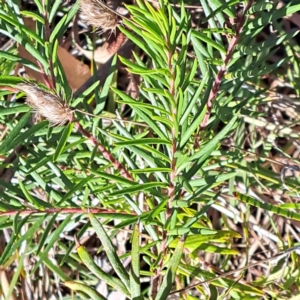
{"x":97,"y":14}
{"x":46,"y":104}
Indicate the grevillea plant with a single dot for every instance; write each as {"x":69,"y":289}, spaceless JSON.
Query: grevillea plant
{"x":175,"y":192}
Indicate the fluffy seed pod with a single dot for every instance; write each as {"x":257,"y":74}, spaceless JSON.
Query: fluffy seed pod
{"x":48,"y":105}
{"x":97,"y":14}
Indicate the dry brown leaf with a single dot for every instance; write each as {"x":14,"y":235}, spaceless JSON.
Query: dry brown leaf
{"x":100,"y":55}
{"x":76,"y":71}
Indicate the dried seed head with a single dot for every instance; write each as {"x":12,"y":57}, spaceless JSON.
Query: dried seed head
{"x":97,"y":14}
{"x":48,"y":105}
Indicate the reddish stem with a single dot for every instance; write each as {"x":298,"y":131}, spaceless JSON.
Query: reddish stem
{"x":223,"y":69}
{"x":171,"y":189}
{"x":47,"y":37}
{"x":54,"y":210}
{"x":117,"y":165}
{"x":45,"y":77}
{"x":115,"y":42}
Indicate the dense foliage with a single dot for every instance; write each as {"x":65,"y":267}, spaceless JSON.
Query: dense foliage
{"x":174,"y":172}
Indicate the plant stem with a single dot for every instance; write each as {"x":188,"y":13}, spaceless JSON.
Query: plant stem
{"x":223,"y":69}
{"x":117,"y":165}
{"x":55,"y":210}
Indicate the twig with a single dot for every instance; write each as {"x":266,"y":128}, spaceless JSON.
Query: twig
{"x":47,"y":37}
{"x":223,"y":69}
{"x":117,"y":165}
{"x":58,"y":113}
{"x":55,"y":210}
{"x":277,"y":256}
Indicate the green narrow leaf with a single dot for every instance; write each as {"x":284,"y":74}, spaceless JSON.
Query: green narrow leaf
{"x":87,"y":92}
{"x":39,"y":5}
{"x":201,"y":54}
{"x":192,"y":127}
{"x":63,"y":140}
{"x":269,"y":207}
{"x":140,"y":112}
{"x":37,"y":203}
{"x":110,"y":251}
{"x":106,"y":86}
{"x":77,"y":188}
{"x":12,"y":246}
{"x":222,"y":7}
{"x":110,"y":280}
{"x":53,"y":240}
{"x":151,"y":48}
{"x":32,"y":15}
{"x":15,"y":58}
{"x":158,"y":209}
{"x":205,"y":152}
{"x":79,"y":234}
{"x":209,"y":41}
{"x":56,"y":270}
{"x":169,"y":277}
{"x":10,"y":80}
{"x":63,"y":24}
{"x":90,"y":292}
{"x":46,"y":233}
{"x":21,"y":137}
{"x":8,"y":144}
{"x":134,"y":276}
{"x":144,"y":141}
{"x":264,"y":18}
{"x":17,"y":273}
{"x":139,"y":188}
{"x":140,"y":144}
{"x":23,"y":29}
{"x":15,"y":109}
{"x":54,"y":9}
{"x":16,"y":222}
